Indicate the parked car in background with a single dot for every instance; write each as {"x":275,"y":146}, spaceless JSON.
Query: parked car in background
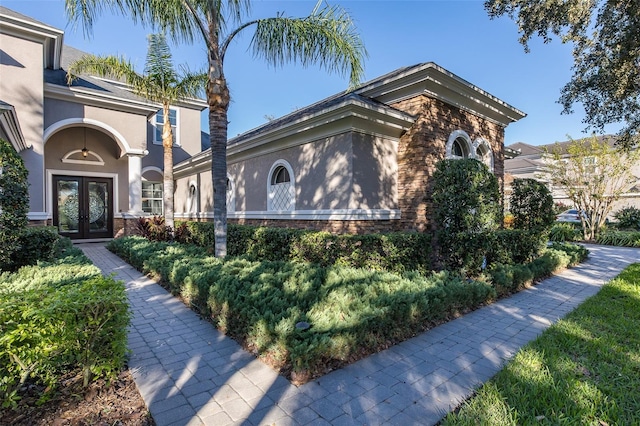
{"x":571,"y":215}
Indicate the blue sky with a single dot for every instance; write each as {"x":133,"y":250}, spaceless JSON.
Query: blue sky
{"x":457,"y":35}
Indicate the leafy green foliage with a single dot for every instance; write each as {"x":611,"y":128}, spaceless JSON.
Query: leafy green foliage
{"x":628,"y":218}
{"x":514,"y":246}
{"x":582,"y":370}
{"x":564,"y":231}
{"x":606,"y":53}
{"x":37,"y":244}
{"x":466,"y":200}
{"x":57,"y":316}
{"x":352,"y":311}
{"x":532,"y":206}
{"x":612,"y":237}
{"x":14,"y":202}
{"x":509,"y":278}
{"x":393,"y":252}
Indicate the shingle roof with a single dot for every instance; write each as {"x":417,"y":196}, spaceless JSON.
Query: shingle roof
{"x":14,"y":14}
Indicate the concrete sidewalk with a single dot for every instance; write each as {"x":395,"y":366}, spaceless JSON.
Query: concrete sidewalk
{"x":190,"y":374}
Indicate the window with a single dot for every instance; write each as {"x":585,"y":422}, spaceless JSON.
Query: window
{"x":281,"y":190}
{"x":231,"y":199}
{"x":483,"y":153}
{"x":458,"y":145}
{"x":192,"y":198}
{"x":152,"y":198}
{"x":159,"y":122}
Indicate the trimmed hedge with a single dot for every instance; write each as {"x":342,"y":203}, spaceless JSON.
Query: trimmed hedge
{"x":352,"y":312}
{"x":392,"y":252}
{"x":59,"y":315}
{"x":508,"y":279}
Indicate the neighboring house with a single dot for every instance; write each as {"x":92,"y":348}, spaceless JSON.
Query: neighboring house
{"x":92,"y":149}
{"x":528,"y":162}
{"x":360,"y":161}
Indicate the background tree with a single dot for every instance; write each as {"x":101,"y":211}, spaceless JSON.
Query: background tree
{"x":606,"y":53}
{"x":326,"y":37}
{"x":593,"y":174}
{"x":159,"y":83}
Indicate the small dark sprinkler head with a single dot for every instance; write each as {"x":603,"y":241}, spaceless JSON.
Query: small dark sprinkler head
{"x":303,"y":325}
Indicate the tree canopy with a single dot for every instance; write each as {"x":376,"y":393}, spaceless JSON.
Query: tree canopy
{"x":606,"y":52}
{"x":593,"y":175}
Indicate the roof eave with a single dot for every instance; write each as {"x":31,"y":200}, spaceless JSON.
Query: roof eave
{"x":87,"y":97}
{"x":11,"y":126}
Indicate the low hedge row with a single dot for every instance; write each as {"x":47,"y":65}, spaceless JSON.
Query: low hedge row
{"x":507,"y":279}
{"x":393,"y":252}
{"x":59,"y":316}
{"x":352,"y":312}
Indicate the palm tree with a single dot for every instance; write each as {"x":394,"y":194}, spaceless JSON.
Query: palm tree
{"x":326,"y":37}
{"x":159,"y":83}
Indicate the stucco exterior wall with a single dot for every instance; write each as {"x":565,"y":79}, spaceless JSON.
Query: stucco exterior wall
{"x":375,"y":170}
{"x":132,"y":127}
{"x":21,"y":85}
{"x":189,"y":132}
{"x":101,"y":144}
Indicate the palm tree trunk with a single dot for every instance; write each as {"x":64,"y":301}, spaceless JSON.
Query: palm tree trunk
{"x":167,"y":145}
{"x":218,"y":100}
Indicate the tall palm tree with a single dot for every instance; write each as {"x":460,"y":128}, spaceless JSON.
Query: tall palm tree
{"x":326,"y":37}
{"x":159,"y":83}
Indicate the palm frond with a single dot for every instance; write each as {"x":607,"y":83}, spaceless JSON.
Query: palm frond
{"x":117,"y":68}
{"x":191,"y":84}
{"x":327,"y":37}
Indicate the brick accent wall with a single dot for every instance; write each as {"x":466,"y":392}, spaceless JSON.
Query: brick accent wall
{"x":424,"y":145}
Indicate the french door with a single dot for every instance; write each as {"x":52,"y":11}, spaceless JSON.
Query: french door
{"x":83,"y":206}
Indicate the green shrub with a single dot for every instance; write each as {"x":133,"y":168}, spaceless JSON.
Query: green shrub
{"x":564,"y":231}
{"x":14,"y":203}
{"x":36,"y":244}
{"x":532,"y":206}
{"x":509,"y":278}
{"x":59,"y":315}
{"x":613,"y":237}
{"x":628,"y":218}
{"x":511,"y":246}
{"x":352,"y":311}
{"x":467,"y":211}
{"x":393,"y":252}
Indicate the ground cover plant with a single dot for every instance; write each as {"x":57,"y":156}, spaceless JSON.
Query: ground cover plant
{"x":583,"y":370}
{"x":351,"y":312}
{"x":58,"y":317}
{"x":613,"y":237}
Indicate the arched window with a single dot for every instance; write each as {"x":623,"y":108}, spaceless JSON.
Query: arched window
{"x":281,"y":187}
{"x":192,"y":198}
{"x":483,"y":153}
{"x":231,"y":196}
{"x":459,"y":145}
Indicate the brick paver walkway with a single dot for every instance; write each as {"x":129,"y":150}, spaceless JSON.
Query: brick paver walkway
{"x":190,"y":374}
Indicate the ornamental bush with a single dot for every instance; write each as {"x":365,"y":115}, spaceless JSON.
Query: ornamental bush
{"x":628,"y":218}
{"x":393,"y":252}
{"x":532,"y":206}
{"x":59,"y":315}
{"x":14,"y":202}
{"x":467,"y":211}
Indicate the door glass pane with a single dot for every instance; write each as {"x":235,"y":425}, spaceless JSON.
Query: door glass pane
{"x":98,"y":209}
{"x":68,"y":207}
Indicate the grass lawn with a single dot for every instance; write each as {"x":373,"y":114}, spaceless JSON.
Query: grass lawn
{"x":584,"y":370}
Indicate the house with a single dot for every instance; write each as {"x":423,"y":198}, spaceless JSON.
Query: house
{"x":528,"y":161}
{"x":92,"y":149}
{"x":355,"y":162}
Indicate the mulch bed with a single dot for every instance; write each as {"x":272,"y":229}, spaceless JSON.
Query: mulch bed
{"x":100,"y":404}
